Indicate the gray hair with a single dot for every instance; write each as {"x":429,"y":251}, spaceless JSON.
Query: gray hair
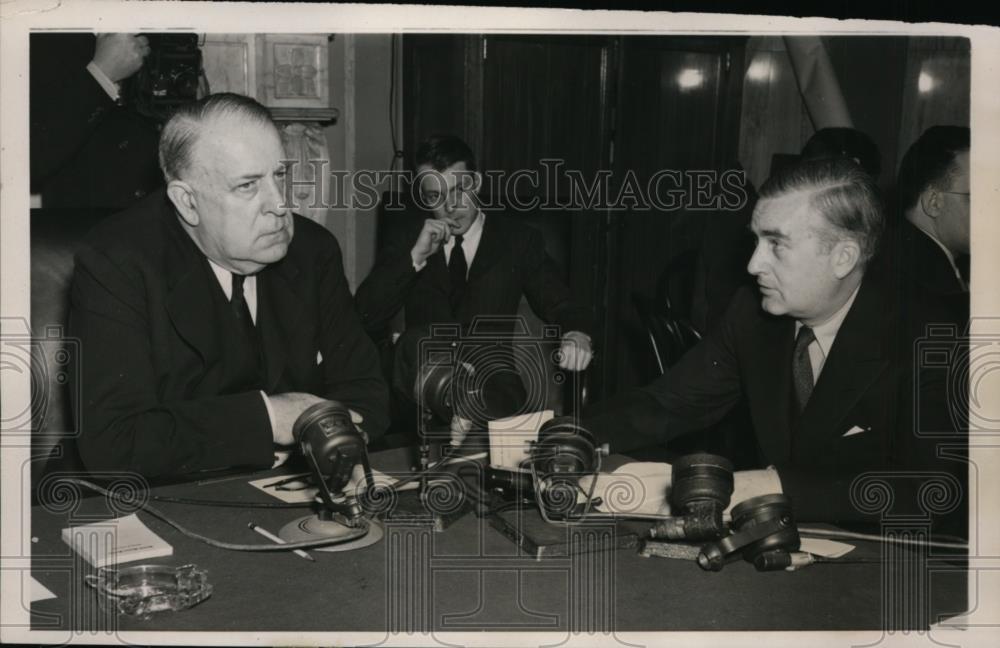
{"x":181,"y":131}
{"x":843,"y":192}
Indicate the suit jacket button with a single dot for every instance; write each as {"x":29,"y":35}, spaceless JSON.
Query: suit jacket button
{"x":122,"y":145}
{"x":139,"y":193}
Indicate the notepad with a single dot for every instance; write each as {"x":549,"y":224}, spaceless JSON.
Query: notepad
{"x":118,"y":540}
{"x":510,"y":438}
{"x":293,"y":492}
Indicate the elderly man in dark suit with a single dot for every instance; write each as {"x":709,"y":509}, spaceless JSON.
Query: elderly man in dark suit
{"x":210,"y":316}
{"x":461,"y":264}
{"x":821,"y":352}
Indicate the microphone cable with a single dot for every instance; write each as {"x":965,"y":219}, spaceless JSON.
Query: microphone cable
{"x":232,"y":546}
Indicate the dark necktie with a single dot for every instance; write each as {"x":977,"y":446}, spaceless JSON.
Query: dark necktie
{"x":244,"y":321}
{"x":457,"y":271}
{"x":802,"y":374}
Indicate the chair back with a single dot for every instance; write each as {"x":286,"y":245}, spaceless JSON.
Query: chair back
{"x":670,"y":336}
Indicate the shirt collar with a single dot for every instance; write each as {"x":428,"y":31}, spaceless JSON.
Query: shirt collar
{"x":826,"y":332}
{"x":225,"y":278}
{"x":470,"y":240}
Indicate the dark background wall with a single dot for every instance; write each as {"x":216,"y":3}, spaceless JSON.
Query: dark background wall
{"x":619,"y":103}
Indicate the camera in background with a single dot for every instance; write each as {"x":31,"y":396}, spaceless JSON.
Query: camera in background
{"x":170,"y":77}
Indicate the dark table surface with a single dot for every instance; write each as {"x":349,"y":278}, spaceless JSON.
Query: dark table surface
{"x":470,"y":578}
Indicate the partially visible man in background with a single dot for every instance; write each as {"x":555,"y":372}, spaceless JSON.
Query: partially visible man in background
{"x":89,"y":149}
{"x":932,"y":245}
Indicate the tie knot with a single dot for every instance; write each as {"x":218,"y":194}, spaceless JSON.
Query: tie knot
{"x":238,"y":280}
{"x":805,"y":337}
{"x":459,"y":239}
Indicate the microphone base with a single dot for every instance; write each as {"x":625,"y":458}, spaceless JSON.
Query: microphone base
{"x":311,"y":527}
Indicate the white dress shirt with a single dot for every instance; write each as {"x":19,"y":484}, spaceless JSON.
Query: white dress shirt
{"x":470,"y":241}
{"x":470,"y":244}
{"x":825,"y":334}
{"x":109,"y":86}
{"x":225,"y":278}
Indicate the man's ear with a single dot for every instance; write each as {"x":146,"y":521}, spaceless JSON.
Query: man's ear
{"x":846,"y":256}
{"x":182,"y":195}
{"x":930,"y":202}
{"x":470,"y":181}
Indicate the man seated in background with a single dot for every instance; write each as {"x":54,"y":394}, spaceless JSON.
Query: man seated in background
{"x":932,"y":244}
{"x":818,"y":350}
{"x":460,"y":264}
{"x":209,"y":316}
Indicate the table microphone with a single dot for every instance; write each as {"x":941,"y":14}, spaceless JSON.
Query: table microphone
{"x":333,"y":447}
{"x":331,"y":444}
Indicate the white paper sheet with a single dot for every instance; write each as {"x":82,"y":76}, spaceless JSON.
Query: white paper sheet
{"x":38,"y":591}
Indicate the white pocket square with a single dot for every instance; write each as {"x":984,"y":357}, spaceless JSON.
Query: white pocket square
{"x":856,"y":430}
{"x":319,"y":357}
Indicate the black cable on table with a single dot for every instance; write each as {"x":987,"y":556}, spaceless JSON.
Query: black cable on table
{"x":232,"y":546}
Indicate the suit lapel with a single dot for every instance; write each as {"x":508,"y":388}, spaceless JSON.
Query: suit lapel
{"x":189,"y":297}
{"x":774,"y":386}
{"x":856,"y":359}
{"x":437,"y":269}
{"x":491,"y":247}
{"x":280,"y":318}
{"x":924,"y":257}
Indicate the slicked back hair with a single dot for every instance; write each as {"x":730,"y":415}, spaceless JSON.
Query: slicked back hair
{"x":843,"y":192}
{"x":441,"y":151}
{"x":930,"y":161}
{"x":182,"y":129}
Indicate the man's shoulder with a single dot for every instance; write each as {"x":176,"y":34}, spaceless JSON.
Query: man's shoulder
{"x":142,"y":230}
{"x":513,"y":231}
{"x":745,"y":306}
{"x":745,"y":321}
{"x":312,"y":239}
{"x":510,"y":222}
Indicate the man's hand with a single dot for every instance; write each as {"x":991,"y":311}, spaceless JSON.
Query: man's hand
{"x":287,"y":408}
{"x":460,"y":428}
{"x":575,"y":353}
{"x":435,"y":233}
{"x":357,"y":419}
{"x":119,"y":56}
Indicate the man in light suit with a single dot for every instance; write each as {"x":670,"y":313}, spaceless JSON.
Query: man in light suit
{"x":210,"y":316}
{"x":459,"y":264}
{"x":820,"y":352}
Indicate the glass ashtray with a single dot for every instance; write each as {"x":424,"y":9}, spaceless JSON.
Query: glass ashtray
{"x":143,"y":590}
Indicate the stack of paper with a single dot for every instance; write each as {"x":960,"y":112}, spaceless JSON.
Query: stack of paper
{"x":119,"y":540}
